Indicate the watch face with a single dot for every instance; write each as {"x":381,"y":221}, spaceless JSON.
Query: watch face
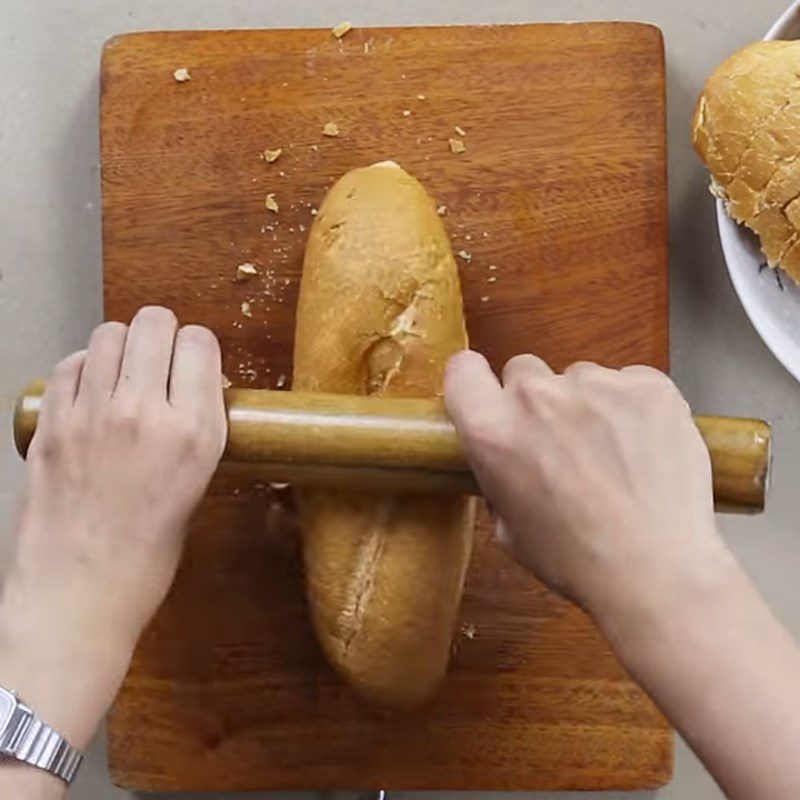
{"x":7,"y":705}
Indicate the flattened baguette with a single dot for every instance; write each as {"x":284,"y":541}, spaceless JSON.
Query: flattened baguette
{"x":380,"y":312}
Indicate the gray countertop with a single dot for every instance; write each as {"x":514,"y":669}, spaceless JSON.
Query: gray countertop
{"x":50,"y":288}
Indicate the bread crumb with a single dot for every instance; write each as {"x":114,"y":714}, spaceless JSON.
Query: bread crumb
{"x":246,"y":310}
{"x":407,"y":112}
{"x":342,"y":29}
{"x":181,"y":75}
{"x":272,"y":155}
{"x":421,"y":97}
{"x":492,"y":278}
{"x":278,"y":486}
{"x":457,"y":146}
{"x":485,"y":299}
{"x":459,"y":130}
{"x":314,"y":212}
{"x":315,"y":147}
{"x":281,"y":382}
{"x":465,"y":255}
{"x":271,"y":203}
{"x":244,"y":271}
{"x":717,"y":190}
{"x":226,"y":382}
{"x":367,"y":47}
{"x":492,"y":267}
{"x":441,"y":210}
{"x":468,"y":630}
{"x":330,"y":129}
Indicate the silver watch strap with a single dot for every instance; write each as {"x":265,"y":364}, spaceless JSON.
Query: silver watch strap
{"x":39,"y":745}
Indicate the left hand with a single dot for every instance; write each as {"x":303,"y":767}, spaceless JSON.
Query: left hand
{"x":130,"y":433}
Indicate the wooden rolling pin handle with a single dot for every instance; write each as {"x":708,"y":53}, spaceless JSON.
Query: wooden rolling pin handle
{"x":407,"y":445}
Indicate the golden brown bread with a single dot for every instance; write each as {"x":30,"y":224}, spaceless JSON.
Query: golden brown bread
{"x":380,"y":312}
{"x":746,"y":128}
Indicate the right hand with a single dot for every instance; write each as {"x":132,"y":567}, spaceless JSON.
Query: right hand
{"x":600,"y":478}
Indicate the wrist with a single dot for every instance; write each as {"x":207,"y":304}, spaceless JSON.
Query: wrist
{"x":654,"y":586}
{"x":67,"y":675}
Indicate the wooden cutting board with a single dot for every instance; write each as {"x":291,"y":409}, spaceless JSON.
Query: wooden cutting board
{"x":560,"y":197}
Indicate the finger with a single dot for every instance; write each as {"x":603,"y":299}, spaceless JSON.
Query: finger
{"x":587,"y":368}
{"x":501,"y":533}
{"x":525,"y":364}
{"x":103,"y":359}
{"x":643,"y":375}
{"x":148,"y":353}
{"x":647,"y":373}
{"x":60,"y":390}
{"x":194,"y":383}
{"x":472,"y":394}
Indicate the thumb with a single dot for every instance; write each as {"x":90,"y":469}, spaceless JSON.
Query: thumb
{"x":472,"y":393}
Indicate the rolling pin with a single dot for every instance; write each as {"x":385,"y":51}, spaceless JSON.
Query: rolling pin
{"x":408,"y":445}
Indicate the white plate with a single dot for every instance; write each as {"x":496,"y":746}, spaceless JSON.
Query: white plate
{"x":770,"y":298}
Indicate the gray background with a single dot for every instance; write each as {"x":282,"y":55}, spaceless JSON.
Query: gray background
{"x":50,"y":290}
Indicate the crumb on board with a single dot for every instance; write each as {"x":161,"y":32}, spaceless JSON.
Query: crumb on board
{"x":245,"y":271}
{"x":315,"y":147}
{"x":407,"y":112}
{"x":492,"y":267}
{"x":314,"y":212}
{"x":282,"y":174}
{"x":468,"y":630}
{"x":271,"y":203}
{"x":181,"y":75}
{"x":421,"y":97}
{"x":441,"y":210}
{"x":330,"y":129}
{"x":272,"y":155}
{"x":246,"y":310}
{"x":342,"y":29}
{"x":465,"y":255}
{"x":226,"y":381}
{"x":459,"y":130}
{"x":485,"y":298}
{"x":492,"y":278}
{"x":367,"y":48}
{"x":457,"y":146}
{"x":281,"y":382}
{"x":278,"y":486}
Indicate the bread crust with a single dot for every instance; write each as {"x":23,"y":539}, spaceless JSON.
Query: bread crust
{"x":746,"y":128}
{"x":380,"y":311}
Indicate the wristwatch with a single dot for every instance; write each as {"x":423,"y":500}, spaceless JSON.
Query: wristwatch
{"x":24,"y":737}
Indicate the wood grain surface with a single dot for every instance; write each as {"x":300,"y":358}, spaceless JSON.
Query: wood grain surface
{"x":560,"y":196}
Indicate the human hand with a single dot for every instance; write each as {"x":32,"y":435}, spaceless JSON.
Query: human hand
{"x":129,"y":435}
{"x":600,"y":478}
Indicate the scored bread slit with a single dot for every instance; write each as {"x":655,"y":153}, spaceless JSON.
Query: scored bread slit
{"x":363,"y":578}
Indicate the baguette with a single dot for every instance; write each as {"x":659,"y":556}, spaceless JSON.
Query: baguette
{"x":379,"y":313}
{"x":746,"y":128}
